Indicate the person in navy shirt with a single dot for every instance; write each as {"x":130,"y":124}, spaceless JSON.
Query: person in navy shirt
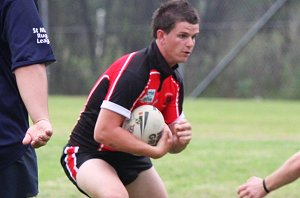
{"x":24,"y":54}
{"x":104,"y":160}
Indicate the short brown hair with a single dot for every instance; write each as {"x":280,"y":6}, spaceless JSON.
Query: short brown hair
{"x":170,"y":12}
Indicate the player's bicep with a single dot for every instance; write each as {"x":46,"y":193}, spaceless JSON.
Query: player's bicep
{"x":107,"y":122}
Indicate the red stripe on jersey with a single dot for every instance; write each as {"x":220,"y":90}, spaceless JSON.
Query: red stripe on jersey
{"x":96,"y":85}
{"x":165,"y":98}
{"x":70,"y":160}
{"x":152,"y":72}
{"x":93,"y":90}
{"x":119,"y":75}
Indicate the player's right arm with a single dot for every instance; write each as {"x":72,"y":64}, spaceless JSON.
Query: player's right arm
{"x":108,"y":131}
{"x":33,"y":87}
{"x":287,"y":173}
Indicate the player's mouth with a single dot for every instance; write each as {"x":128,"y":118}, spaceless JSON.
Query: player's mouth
{"x":187,"y":53}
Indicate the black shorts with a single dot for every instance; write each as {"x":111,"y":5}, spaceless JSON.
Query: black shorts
{"x":20,"y":179}
{"x":126,"y":165}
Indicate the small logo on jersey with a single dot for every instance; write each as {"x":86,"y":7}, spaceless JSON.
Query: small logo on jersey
{"x":41,"y":35}
{"x":168,"y":98}
{"x":149,"y":97}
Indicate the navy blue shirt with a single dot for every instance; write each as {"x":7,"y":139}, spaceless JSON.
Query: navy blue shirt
{"x":23,"y":42}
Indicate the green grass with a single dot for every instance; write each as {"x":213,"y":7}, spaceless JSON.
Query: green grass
{"x":232,"y":140}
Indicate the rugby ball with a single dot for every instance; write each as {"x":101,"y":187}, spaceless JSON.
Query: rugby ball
{"x":146,"y":123}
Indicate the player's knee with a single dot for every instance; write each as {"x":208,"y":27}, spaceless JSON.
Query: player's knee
{"x":111,"y":194}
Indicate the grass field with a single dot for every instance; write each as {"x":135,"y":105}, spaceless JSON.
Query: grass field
{"x":232,"y":140}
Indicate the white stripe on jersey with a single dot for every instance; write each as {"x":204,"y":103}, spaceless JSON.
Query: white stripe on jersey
{"x":119,"y":75}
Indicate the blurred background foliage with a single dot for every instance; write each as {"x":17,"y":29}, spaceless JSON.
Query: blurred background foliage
{"x":88,"y":35}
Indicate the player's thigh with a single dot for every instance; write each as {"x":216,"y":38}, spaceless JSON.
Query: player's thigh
{"x":148,"y":184}
{"x":98,"y":179}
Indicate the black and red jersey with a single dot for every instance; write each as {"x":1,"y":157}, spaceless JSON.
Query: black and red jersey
{"x":136,"y":79}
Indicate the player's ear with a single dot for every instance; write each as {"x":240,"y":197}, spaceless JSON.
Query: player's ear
{"x":160,"y":35}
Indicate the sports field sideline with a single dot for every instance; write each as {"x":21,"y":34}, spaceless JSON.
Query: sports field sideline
{"x":232,"y":140}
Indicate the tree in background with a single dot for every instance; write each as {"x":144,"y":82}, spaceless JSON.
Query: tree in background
{"x":89,"y":34}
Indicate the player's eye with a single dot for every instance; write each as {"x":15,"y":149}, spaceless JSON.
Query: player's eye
{"x":183,"y":36}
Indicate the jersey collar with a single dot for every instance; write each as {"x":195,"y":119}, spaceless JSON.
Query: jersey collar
{"x":158,"y":61}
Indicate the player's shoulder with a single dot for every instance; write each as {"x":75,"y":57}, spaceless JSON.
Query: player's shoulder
{"x":18,"y":4}
{"x":134,"y":63}
{"x":124,"y":60}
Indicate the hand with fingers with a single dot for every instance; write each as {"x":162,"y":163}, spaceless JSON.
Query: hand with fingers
{"x":182,"y":135}
{"x":164,"y":144}
{"x":253,"y":188}
{"x":38,"y":134}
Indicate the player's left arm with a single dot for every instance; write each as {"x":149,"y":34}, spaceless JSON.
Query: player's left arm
{"x":182,"y":135}
{"x":33,"y":87}
{"x":180,"y":127}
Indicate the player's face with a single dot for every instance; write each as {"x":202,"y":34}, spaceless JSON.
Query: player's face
{"x":179,"y":42}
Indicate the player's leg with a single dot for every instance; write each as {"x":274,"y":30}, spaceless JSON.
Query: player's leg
{"x":147,"y":184}
{"x":98,"y":179}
